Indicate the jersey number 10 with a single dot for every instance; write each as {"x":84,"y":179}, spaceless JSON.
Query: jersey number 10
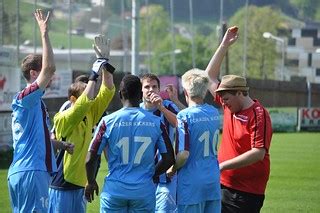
{"x":204,"y":138}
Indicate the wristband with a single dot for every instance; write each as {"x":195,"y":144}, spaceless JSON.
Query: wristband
{"x":109,"y":68}
{"x":93,"y":76}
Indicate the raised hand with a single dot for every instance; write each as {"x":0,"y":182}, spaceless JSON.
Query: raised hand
{"x":101,"y":46}
{"x":42,"y":20}
{"x":172,"y":92}
{"x":230,"y":36}
{"x":96,"y":68}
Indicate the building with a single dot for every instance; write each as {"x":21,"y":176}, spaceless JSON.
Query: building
{"x":302,"y":60}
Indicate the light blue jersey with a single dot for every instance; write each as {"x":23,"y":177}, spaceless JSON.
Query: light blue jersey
{"x":31,"y":139}
{"x":169,"y":105}
{"x":166,"y":187}
{"x":132,"y":136}
{"x":199,"y":178}
{"x":33,"y":150}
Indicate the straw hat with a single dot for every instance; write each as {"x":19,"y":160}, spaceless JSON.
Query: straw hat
{"x":232,"y":82}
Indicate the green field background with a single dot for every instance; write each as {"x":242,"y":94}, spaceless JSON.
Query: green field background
{"x":294,"y":184}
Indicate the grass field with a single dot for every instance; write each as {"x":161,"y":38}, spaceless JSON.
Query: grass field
{"x":294,"y":183}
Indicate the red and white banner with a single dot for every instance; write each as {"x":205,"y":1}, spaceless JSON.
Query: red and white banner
{"x":309,"y":119}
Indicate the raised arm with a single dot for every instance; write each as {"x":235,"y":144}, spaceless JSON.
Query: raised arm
{"x":173,"y":95}
{"x":48,"y":66}
{"x":170,"y":116}
{"x":214,"y":65}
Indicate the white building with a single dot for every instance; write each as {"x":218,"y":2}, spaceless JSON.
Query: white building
{"x":302,"y":60}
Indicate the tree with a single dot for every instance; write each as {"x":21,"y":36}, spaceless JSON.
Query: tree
{"x":154,"y":20}
{"x":261,"y":52}
{"x":307,"y":9}
{"x":160,"y":42}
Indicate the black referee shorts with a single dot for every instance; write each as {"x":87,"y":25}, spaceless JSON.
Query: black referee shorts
{"x":235,"y":201}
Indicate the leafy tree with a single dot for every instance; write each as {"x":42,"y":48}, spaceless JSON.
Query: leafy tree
{"x":307,"y":8}
{"x":157,"y":19}
{"x":261,"y":52}
{"x":160,"y":41}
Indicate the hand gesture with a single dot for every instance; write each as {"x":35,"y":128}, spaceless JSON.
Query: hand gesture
{"x":156,"y":100}
{"x":230,"y":36}
{"x":69,"y":147}
{"x":89,"y":191}
{"x":172,"y":92}
{"x":42,"y":20}
{"x":97,"y":65}
{"x":171,"y":172}
{"x":101,"y":46}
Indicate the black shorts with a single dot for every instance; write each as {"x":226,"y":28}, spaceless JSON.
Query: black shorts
{"x":235,"y":201}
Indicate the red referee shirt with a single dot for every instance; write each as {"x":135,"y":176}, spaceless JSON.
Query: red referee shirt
{"x":242,"y":131}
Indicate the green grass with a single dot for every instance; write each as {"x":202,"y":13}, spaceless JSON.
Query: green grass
{"x":295,"y":173}
{"x":294,"y":181}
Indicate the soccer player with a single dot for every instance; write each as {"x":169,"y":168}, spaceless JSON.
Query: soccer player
{"x":66,"y":193}
{"x":67,"y":103}
{"x":132,"y":136}
{"x":246,"y":137}
{"x":166,"y":110}
{"x":33,"y":155}
{"x":196,"y":162}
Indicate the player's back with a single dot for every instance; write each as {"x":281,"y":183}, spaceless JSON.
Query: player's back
{"x":199,"y":177}
{"x":32,"y":146}
{"x":132,"y":137}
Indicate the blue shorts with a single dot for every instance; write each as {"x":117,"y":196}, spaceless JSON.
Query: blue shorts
{"x":67,"y":201}
{"x":29,"y":191}
{"x":119,"y":205}
{"x":210,"y":206}
{"x":166,"y":194}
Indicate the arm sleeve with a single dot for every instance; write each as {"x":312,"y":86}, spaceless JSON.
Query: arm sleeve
{"x":99,"y":141}
{"x":65,"y":121}
{"x":101,"y":102}
{"x":172,"y":107}
{"x":261,"y":129}
{"x":183,"y":134}
{"x":30,"y":95}
{"x":164,"y":140}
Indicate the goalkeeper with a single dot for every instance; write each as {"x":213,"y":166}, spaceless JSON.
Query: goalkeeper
{"x":66,"y":192}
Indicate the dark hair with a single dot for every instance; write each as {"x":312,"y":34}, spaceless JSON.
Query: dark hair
{"x":76,"y":89}
{"x":151,"y":77}
{"x":131,"y":88}
{"x":31,"y":62}
{"x":82,"y":78}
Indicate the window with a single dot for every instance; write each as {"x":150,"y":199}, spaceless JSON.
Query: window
{"x":291,"y":42}
{"x":292,"y":62}
{"x":316,"y":42}
{"x":309,"y":33}
{"x":309,"y":59}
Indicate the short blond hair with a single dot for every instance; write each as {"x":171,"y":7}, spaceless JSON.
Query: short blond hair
{"x":195,"y":82}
